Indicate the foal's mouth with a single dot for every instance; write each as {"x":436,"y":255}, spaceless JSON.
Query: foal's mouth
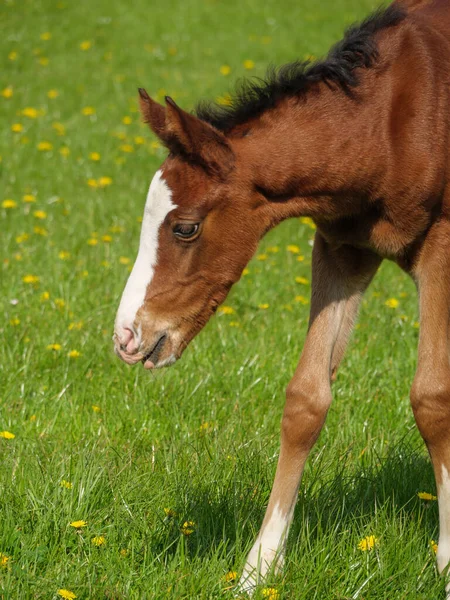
{"x":151,"y":358}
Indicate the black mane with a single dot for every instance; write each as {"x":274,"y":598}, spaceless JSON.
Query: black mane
{"x":357,"y":49}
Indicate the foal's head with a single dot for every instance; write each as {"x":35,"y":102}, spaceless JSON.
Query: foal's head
{"x":202,"y":222}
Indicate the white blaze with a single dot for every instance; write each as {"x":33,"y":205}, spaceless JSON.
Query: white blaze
{"x":158,"y":205}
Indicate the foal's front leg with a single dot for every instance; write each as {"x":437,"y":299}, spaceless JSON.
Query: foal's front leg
{"x":430,"y":393}
{"x":339,"y":277}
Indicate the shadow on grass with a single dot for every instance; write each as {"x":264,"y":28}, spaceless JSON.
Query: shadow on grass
{"x":333,"y":497}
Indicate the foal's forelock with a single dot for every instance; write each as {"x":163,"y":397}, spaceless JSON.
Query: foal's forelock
{"x":158,"y":205}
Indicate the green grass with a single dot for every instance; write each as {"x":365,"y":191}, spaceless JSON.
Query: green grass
{"x":202,"y":437}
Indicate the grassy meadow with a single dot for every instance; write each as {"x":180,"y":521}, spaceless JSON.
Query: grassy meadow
{"x":117,"y":483}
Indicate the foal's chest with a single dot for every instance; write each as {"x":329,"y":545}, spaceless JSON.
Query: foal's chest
{"x":374,"y":230}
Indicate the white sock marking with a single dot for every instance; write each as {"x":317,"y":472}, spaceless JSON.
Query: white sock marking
{"x":269,"y":547}
{"x":443,"y":553}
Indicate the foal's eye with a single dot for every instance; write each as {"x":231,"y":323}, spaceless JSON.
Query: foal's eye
{"x":186,"y":231}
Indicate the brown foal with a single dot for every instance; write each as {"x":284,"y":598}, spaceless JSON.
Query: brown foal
{"x":359,"y":142}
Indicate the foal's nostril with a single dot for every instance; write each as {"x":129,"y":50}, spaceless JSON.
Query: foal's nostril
{"x":127,"y":337}
{"x":128,"y":342}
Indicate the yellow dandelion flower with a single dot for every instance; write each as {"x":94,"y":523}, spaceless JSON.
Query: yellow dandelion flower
{"x":230,"y":577}
{"x":426,"y":496}
{"x":392,"y":303}
{"x":308,"y":221}
{"x":293,"y":249}
{"x":55,"y":347}
{"x":78,"y":524}
{"x":127,"y":120}
{"x":45,"y":296}
{"x":416,"y":324}
{"x":188,"y":527}
{"x":234,"y":324}
{"x":14,"y":322}
{"x":40,"y":214}
{"x":249,"y":64}
{"x":23,"y":237}
{"x":126,"y":148}
{"x":46,"y":36}
{"x":85,"y":45}
{"x":96,"y":408}
{"x":169,"y":512}
{"x":66,"y":484}
{"x":225,"y":70}
{"x":30,"y":112}
{"x":43,"y":61}
{"x":17,"y":127}
{"x":104,"y":181}
{"x":7,"y":435}
{"x":64,"y":255}
{"x":226,"y":310}
{"x":74,"y":354}
{"x":434,"y":546}
{"x":225,"y":100}
{"x":106,"y":238}
{"x":124,"y":260}
{"x":123,"y":552}
{"x":92,"y":242}
{"x":45,"y":146}
{"x":262,"y":257}
{"x":66,"y":594}
{"x":88,"y":110}
{"x":155,"y":145}
{"x":94,"y":156}
{"x":139,"y":140}
{"x":302,"y":280}
{"x":52,"y":94}
{"x":273,"y":249}
{"x":116,"y":229}
{"x":98,"y":540}
{"x":270,"y":593}
{"x":246,"y":271}
{"x":300,"y":258}
{"x":18,"y":256}
{"x":9,"y":204}
{"x":64,"y":151}
{"x":367,"y":543}
{"x":40,"y":230}
{"x":29,"y":198}
{"x":4,"y":560}
{"x":301,"y":299}
{"x":7,"y":92}
{"x":92,"y":183}
{"x":30,"y":279}
{"x":13,"y":55}
{"x":76,"y":325}
{"x":263,"y":306}
{"x":60,"y":303}
{"x":59,"y":128}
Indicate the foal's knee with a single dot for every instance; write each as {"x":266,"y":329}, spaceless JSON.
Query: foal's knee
{"x":430,"y":401}
{"x":306,"y":407}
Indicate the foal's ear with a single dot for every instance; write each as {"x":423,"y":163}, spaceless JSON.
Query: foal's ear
{"x":153,"y":113}
{"x":198,"y":140}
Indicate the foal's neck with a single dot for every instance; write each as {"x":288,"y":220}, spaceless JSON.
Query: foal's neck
{"x":320,"y":155}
